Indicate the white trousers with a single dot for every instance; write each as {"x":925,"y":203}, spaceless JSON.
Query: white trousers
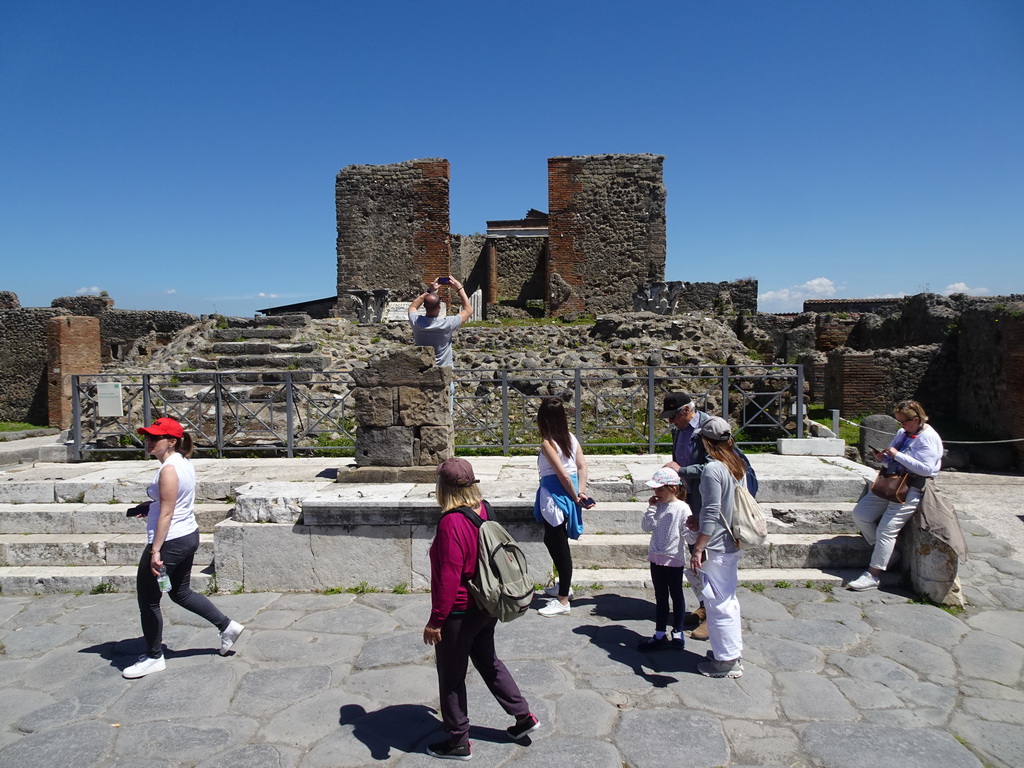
{"x":881,"y":521}
{"x":721,"y":575}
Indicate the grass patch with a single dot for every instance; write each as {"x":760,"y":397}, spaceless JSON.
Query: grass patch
{"x":362,"y":588}
{"x":952,"y":610}
{"x":782,"y":585}
{"x":17,"y":426}
{"x":753,"y":587}
{"x":400,"y":589}
{"x":103,"y":588}
{"x":827,"y":588}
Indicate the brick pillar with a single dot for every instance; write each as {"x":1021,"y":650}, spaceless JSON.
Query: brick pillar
{"x":432,"y":243}
{"x":1012,"y":329}
{"x":72,"y":347}
{"x":491,"y":255}
{"x":566,"y":259}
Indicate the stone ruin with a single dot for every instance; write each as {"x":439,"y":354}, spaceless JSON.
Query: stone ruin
{"x":402,"y":411}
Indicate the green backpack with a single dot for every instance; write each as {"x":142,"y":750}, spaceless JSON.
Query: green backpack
{"x":501,"y":586}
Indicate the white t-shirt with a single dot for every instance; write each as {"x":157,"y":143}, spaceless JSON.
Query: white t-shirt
{"x":568,"y":462}
{"x":183,"y":521}
{"x":435,"y":332}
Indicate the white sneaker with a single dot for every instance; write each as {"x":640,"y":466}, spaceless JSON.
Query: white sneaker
{"x":144,"y":666}
{"x":552,"y":591}
{"x":863,"y":582}
{"x":228,"y":637}
{"x":555,"y":608}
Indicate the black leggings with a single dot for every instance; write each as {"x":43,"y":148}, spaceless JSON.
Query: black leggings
{"x":177,"y":555}
{"x":668,"y":581}
{"x":556,"y":539}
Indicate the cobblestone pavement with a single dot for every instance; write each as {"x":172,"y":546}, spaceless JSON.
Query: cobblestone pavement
{"x":837,"y":679}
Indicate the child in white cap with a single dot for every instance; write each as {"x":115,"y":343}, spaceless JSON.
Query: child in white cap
{"x":665,"y":520}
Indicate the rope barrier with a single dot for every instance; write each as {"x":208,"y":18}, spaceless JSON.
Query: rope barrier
{"x":944,"y":442}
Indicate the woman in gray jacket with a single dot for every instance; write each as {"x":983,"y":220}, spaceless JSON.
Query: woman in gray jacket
{"x":715,"y":554}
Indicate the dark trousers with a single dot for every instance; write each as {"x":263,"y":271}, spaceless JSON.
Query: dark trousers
{"x":556,"y":539}
{"x":177,"y":555}
{"x":668,"y":582}
{"x":464,"y":637}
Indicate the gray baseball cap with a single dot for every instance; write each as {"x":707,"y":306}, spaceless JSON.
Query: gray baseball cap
{"x":715,"y":428}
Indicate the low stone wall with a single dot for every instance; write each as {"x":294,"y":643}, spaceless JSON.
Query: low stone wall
{"x":23,"y":395}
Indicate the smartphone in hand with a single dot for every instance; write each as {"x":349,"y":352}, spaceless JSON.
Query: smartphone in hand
{"x":444,"y":281}
{"x":139,"y":510}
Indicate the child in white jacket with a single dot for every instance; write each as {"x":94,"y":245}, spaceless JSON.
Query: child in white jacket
{"x":665,"y":520}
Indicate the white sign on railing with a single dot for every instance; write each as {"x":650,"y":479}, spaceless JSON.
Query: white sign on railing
{"x":108,"y":399}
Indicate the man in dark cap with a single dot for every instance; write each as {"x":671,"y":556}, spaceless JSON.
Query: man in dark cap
{"x":688,"y":453}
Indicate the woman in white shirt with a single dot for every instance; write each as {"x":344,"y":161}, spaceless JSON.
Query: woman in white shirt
{"x":563,"y":489}
{"x":173,"y":535}
{"x":917,"y":450}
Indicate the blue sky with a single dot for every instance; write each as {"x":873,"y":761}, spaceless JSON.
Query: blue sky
{"x":182,"y":155}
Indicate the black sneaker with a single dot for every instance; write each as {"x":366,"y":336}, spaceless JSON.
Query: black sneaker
{"x":654,"y":644}
{"x":450,"y":751}
{"x":524,"y":725}
{"x":678,"y":642}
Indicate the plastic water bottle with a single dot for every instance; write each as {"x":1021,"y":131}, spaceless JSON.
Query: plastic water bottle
{"x":164,"y":580}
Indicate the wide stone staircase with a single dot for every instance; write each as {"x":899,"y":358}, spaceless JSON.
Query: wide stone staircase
{"x":63,"y":526}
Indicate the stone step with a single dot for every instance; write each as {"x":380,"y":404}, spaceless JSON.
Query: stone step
{"x":82,"y":549}
{"x":612,"y":579}
{"x":783,"y":517}
{"x":261,"y":348}
{"x":293,"y":320}
{"x":243,"y":334}
{"x":45,"y":580}
{"x":272,"y":362}
{"x":794,"y":550}
{"x":92,"y":518}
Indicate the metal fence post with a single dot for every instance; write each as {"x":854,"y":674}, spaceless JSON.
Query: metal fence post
{"x":835,"y":422}
{"x":289,"y":417}
{"x":799,"y":401}
{"x":147,"y":401}
{"x":725,"y":395}
{"x":651,"y":406}
{"x":578,"y":397}
{"x":76,"y":420}
{"x":504,"y":412}
{"x":219,"y":414}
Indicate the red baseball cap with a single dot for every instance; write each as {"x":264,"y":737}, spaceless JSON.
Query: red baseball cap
{"x":163,"y":426}
{"x":456,"y":471}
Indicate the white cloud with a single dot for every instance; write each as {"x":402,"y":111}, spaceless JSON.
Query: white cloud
{"x":92,"y":290}
{"x":964,"y":288}
{"x":263,"y":295}
{"x":791,"y":299}
{"x":171,"y":291}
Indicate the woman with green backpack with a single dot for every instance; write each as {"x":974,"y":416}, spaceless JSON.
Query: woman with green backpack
{"x":459,"y":631}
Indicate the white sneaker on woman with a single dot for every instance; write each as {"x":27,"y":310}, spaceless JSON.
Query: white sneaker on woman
{"x":144,"y":666}
{"x":863,"y":582}
{"x":229,"y":635}
{"x":555,"y":608}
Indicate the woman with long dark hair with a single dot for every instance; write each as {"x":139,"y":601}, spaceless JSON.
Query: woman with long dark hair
{"x":563,"y":490}
{"x":173,"y":535}
{"x":715,"y":555}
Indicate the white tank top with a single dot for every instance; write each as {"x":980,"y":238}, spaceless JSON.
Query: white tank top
{"x":183,"y":521}
{"x":568,"y":462}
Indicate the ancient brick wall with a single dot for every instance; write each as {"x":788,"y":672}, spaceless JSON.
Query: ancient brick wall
{"x":855,"y":383}
{"x":607,"y":230}
{"x":23,"y":364}
{"x":120,"y":329}
{"x":832,"y":331}
{"x":393,"y":226}
{"x":73,"y":347}
{"x":991,"y":364}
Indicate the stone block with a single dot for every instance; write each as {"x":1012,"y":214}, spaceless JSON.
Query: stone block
{"x":877,"y":431}
{"x":385,"y":446}
{"x":228,"y":554}
{"x":409,"y":366}
{"x":33,"y":518}
{"x":933,"y":566}
{"x":375,"y":406}
{"x":273,"y":502}
{"x":26,"y":492}
{"x":810,"y":446}
{"x":422,"y":406}
{"x":380,"y":556}
{"x":435,"y":445}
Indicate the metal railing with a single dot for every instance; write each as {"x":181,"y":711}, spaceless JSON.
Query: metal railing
{"x":312,"y":413}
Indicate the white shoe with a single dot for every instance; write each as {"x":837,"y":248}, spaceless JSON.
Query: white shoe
{"x":863,"y":582}
{"x":552,"y":591}
{"x":228,"y":637}
{"x":554,"y":608}
{"x":144,"y":666}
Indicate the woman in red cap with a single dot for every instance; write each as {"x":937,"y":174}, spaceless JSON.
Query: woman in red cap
{"x":173,"y":536}
{"x":458,"y":630}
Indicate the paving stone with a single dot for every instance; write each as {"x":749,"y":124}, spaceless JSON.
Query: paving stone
{"x":188,"y":693}
{"x":274,"y":620}
{"x":34,"y":641}
{"x":810,"y":697}
{"x":756,"y":607}
{"x":584,"y":714}
{"x":874,"y":668}
{"x":384,"y":734}
{"x":263,"y":691}
{"x":793,"y":595}
{"x":651,"y":738}
{"x":82,"y":745}
{"x":350,"y":620}
{"x":817,"y":632}
{"x":842,"y":612}
{"x":930,"y":695}
{"x":989,"y":657}
{"x":307,"y":722}
{"x":539,"y":678}
{"x":1008,"y":565}
{"x":978,"y":545}
{"x":909,"y":719}
{"x":987,"y":689}
{"x":58,"y":669}
{"x":838,"y":745}
{"x":865,"y":694}
{"x":291,"y":646}
{"x":43,"y":610}
{"x":566,"y":753}
{"x":184,"y":741}
{"x":311,"y":602}
{"x":100,"y":610}
{"x":995,"y":710}
{"x":923,"y":658}
{"x":1010,"y":597}
{"x":782,"y":655}
{"x":922,"y":622}
{"x":416,"y":685}
{"x":17,"y":701}
{"x":253,"y":756}
{"x":756,"y":743}
{"x":394,"y":649}
{"x":748,"y":696}
{"x":11,"y":607}
{"x":1001,"y":745}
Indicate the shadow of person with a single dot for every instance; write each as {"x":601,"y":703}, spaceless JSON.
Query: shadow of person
{"x":123,"y":653}
{"x":400,"y":726}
